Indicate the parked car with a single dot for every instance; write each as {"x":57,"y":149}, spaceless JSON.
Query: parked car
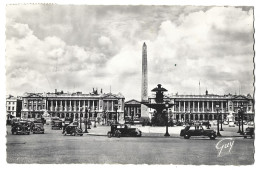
{"x":215,"y":122}
{"x":67,"y":121}
{"x":195,"y":130}
{"x":250,"y":131}
{"x":118,"y":130}
{"x":250,"y":123}
{"x":231,"y":124}
{"x":179,"y":123}
{"x":38,"y":128}
{"x":206,"y":124}
{"x":225,"y":123}
{"x":57,"y":124}
{"x":73,"y":130}
{"x":54,"y":119}
{"x":21,"y":127}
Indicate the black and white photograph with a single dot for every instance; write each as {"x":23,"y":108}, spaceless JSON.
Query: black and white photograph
{"x":129,"y":84}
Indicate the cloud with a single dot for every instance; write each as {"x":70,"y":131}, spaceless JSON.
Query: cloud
{"x":80,"y":47}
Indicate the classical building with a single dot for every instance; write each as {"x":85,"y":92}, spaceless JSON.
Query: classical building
{"x":60,"y":104}
{"x":13,"y":105}
{"x":204,"y":107}
{"x":132,"y":109}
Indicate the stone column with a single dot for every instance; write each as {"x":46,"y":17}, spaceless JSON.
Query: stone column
{"x":51,"y":105}
{"x":93,"y":105}
{"x":189,"y":106}
{"x":198,"y":106}
{"x":79,"y":106}
{"x":70,"y":106}
{"x":75,"y":106}
{"x":184,"y":106}
{"x":222,"y":107}
{"x":66,"y":109}
{"x":61,"y":106}
{"x":36,"y":105}
{"x":207,"y":105}
{"x":56,"y":105}
{"x":179,"y":106}
{"x":84,"y":106}
{"x":212,"y":106}
{"x":193,"y":107}
{"x":203,"y":105}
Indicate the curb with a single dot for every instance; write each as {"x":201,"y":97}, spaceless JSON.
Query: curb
{"x":156,"y":136}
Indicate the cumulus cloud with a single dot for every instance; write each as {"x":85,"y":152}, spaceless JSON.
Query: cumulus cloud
{"x":80,"y":47}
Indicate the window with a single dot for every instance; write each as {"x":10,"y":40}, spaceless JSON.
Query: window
{"x":12,"y":108}
{"x":9,"y":108}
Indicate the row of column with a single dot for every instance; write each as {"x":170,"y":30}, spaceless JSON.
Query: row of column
{"x":193,"y":109}
{"x":130,"y":109}
{"x":35,"y":103}
{"x":198,"y":116}
{"x":108,"y":105}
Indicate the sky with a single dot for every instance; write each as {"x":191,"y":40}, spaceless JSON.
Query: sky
{"x":79,"y":47}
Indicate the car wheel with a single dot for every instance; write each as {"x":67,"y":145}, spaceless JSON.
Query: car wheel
{"x":117,"y":134}
{"x":81,"y":134}
{"x":73,"y":134}
{"x":212,"y":137}
{"x":28,"y":133}
{"x":12,"y":132}
{"x":245,"y":137}
{"x":186,"y":136}
{"x":65,"y":133}
{"x":109,"y":135}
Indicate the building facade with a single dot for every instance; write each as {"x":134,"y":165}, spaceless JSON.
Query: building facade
{"x":13,"y":106}
{"x":208,"y":106}
{"x":59,"y":104}
{"x":132,"y":109}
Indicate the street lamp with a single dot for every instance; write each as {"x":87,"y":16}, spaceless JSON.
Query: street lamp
{"x":242,"y":118}
{"x":116,"y":107}
{"x":208,"y":118}
{"x":221,"y":129}
{"x":166,"y":107}
{"x":86,"y":120}
{"x":217,"y":106}
{"x":239,"y":131}
{"x":89,"y":120}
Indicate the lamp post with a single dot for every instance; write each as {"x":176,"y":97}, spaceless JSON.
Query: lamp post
{"x":80,"y":120}
{"x":217,"y":106}
{"x":221,"y":129}
{"x":116,"y":107}
{"x":239,"y":131}
{"x":242,"y":118}
{"x":208,"y":118}
{"x":86,"y":120}
{"x":166,"y":107}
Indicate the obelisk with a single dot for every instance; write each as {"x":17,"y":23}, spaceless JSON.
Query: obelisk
{"x":144,"y":94}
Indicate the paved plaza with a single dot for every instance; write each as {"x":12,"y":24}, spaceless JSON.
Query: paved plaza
{"x":151,"y":148}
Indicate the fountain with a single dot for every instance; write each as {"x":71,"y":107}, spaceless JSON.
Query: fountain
{"x":161,"y":106}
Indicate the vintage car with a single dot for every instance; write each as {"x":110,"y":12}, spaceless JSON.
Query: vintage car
{"x":118,"y":130}
{"x":250,"y":131}
{"x":21,"y":127}
{"x":72,"y":130}
{"x":57,"y":124}
{"x":206,"y":123}
{"x":38,"y":128}
{"x":231,"y":124}
{"x":196,"y":130}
